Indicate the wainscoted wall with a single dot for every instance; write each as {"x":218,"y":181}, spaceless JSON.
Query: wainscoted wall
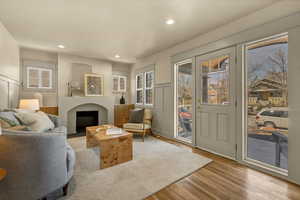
{"x":163,"y":118}
{"x":9,"y":90}
{"x":9,"y":69}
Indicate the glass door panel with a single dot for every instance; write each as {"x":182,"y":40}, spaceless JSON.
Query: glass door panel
{"x":183,"y":100}
{"x":215,"y":81}
{"x":267,"y":101}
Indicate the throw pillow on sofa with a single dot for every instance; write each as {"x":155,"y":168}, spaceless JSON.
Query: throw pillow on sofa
{"x":37,"y":121}
{"x":10,"y":118}
{"x":4,"y":124}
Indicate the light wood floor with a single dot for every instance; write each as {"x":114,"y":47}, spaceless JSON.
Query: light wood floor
{"x":226,"y":179}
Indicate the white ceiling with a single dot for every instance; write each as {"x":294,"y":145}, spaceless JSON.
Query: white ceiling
{"x":130,"y":28}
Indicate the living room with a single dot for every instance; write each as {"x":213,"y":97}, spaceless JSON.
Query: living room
{"x":129,"y":100}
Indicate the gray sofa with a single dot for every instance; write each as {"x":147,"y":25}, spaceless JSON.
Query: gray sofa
{"x":36,"y":163}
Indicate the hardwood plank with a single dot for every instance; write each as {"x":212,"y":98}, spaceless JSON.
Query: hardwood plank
{"x":2,"y":174}
{"x":226,"y":179}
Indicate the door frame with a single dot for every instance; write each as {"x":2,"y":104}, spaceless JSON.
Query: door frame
{"x":174,"y":89}
{"x":243,"y":110}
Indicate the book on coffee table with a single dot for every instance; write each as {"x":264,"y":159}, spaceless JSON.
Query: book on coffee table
{"x":114,"y":131}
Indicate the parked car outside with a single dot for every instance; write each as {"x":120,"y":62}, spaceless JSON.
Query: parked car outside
{"x":184,"y":113}
{"x":275,"y":117}
{"x":185,"y":119}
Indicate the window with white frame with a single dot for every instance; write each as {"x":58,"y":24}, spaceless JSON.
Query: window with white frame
{"x":144,"y":88}
{"x":149,"y":88}
{"x":119,"y":83}
{"x":139,"y":88}
{"x":39,"y":78}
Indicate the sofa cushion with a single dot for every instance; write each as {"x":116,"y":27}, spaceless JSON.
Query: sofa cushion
{"x":19,"y":128}
{"x":37,"y":121}
{"x":10,"y":118}
{"x":136,"y":126}
{"x":136,"y":116}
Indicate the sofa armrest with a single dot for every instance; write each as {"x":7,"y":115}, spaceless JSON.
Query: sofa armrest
{"x":36,"y":164}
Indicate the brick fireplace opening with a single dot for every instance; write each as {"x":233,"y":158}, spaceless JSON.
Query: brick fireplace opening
{"x":85,"y":119}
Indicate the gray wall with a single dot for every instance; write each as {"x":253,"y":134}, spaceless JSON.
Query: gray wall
{"x":294,"y":104}
{"x":39,"y":58}
{"x":9,"y":56}
{"x":123,"y":69}
{"x":9,"y":90}
{"x":65,"y":63}
{"x":9,"y":69}
{"x":78,"y":72}
{"x":64,"y":73}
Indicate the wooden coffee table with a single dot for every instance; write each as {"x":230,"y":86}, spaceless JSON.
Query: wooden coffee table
{"x":2,"y":174}
{"x":114,"y":149}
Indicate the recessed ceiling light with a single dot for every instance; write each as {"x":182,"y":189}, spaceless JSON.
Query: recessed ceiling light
{"x":61,"y":46}
{"x":170,"y":21}
{"x":117,"y":56}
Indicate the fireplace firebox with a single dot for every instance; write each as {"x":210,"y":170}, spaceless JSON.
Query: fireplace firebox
{"x":85,"y":119}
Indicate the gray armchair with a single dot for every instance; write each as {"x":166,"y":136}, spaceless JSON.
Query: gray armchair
{"x":36,"y":163}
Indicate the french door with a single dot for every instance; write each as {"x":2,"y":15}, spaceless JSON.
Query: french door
{"x":183,"y":90}
{"x":216,"y":102}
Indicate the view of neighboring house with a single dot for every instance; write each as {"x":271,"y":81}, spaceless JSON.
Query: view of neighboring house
{"x":268,"y":100}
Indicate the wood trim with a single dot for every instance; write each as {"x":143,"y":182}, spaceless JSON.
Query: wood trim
{"x":50,"y":110}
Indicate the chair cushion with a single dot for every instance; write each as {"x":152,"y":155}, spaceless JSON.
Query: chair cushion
{"x":136,"y":116}
{"x":148,"y":114}
{"x":137,"y":126}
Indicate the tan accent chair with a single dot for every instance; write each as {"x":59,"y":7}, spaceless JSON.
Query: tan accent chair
{"x":140,"y":128}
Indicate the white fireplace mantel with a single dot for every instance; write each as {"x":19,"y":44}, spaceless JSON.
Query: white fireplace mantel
{"x":68,"y":103}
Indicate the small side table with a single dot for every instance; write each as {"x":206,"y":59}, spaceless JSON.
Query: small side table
{"x":2,"y":174}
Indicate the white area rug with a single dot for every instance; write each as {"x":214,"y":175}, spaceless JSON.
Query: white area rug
{"x":156,"y":164}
